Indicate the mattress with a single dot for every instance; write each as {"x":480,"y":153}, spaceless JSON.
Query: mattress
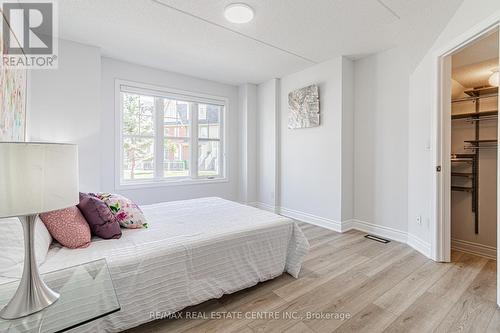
{"x":193,"y":251}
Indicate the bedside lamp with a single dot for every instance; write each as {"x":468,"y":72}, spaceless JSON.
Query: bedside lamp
{"x":35,"y":178}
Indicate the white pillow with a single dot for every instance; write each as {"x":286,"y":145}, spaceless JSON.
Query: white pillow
{"x":12,"y":245}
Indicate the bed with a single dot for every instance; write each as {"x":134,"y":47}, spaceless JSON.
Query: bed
{"x":194,"y":250}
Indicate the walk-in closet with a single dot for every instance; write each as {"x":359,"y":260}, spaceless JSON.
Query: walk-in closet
{"x":474,"y":142}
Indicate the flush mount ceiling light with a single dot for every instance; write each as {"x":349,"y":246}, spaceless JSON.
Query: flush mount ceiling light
{"x":493,"y":80}
{"x":238,"y":13}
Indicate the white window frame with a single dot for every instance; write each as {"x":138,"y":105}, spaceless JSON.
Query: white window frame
{"x":159,"y":180}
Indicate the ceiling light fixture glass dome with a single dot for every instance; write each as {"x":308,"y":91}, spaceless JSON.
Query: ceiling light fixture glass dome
{"x":493,"y":80}
{"x":238,"y":13}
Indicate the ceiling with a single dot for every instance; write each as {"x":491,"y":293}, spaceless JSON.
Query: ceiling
{"x":473,"y":65}
{"x":484,"y":49}
{"x":475,"y":75}
{"x":192,"y":36}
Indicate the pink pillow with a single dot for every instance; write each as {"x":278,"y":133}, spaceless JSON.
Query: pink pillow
{"x":68,"y":227}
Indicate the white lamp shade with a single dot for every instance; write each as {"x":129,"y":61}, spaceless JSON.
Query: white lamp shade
{"x":37,"y":177}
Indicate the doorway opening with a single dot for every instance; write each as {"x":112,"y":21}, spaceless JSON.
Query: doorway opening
{"x":441,"y":242}
{"x":474,"y":147}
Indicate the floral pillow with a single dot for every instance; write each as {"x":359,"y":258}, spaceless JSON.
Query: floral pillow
{"x":126,"y":212}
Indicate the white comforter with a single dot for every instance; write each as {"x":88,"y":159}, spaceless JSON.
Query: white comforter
{"x":194,"y":250}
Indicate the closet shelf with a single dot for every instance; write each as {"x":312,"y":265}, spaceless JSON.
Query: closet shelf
{"x":463,"y":157}
{"x":462,"y":174}
{"x":482,"y":91}
{"x":462,"y":188}
{"x":481,"y":144}
{"x":475,"y":115}
{"x":477,"y":143}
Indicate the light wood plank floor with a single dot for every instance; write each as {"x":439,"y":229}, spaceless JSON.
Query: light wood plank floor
{"x":380,"y":287}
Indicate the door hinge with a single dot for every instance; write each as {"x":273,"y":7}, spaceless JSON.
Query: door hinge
{"x":438,"y":168}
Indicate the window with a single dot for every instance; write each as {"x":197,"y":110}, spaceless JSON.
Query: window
{"x":208,"y":139}
{"x":169,"y":136}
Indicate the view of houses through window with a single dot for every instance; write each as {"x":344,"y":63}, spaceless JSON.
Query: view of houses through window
{"x":186,"y":144}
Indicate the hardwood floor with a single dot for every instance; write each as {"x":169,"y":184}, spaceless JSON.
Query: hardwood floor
{"x":379,"y":287}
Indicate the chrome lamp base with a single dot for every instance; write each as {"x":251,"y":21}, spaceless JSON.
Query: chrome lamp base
{"x":33,"y":294}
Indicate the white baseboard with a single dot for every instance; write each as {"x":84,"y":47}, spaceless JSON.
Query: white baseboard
{"x":486,"y":251}
{"x":264,"y":206}
{"x":375,"y":229}
{"x":379,"y":230}
{"x":392,"y":233}
{"x":419,"y":245}
{"x":312,"y":219}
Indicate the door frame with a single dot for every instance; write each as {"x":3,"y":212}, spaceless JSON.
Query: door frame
{"x":441,"y":238}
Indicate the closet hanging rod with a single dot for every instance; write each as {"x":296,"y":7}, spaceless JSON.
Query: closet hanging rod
{"x":462,"y":174}
{"x":462,"y":188}
{"x":481,"y":119}
{"x":481,"y":147}
{"x":462,"y":160}
{"x":480,"y":114}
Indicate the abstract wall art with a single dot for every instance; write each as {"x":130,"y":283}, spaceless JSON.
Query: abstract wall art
{"x":303,"y":107}
{"x":12,"y":102}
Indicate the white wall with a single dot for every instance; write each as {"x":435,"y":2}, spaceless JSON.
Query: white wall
{"x":310,"y":160}
{"x":381,"y":125}
{"x":247,"y":96}
{"x":64,"y":106}
{"x":114,"y":69}
{"x":267,"y":114}
{"x":347,"y":139}
{"x":384,"y":156}
{"x":308,"y":173}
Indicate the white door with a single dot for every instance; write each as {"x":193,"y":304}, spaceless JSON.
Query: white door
{"x":443,"y":177}
{"x":498,"y":198}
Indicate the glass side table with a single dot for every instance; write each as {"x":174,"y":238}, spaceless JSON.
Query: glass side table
{"x":87,"y":294}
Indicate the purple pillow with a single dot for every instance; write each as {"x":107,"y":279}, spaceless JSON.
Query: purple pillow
{"x":101,"y":220}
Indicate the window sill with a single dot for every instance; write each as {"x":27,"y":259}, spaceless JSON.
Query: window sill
{"x":168,"y":183}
